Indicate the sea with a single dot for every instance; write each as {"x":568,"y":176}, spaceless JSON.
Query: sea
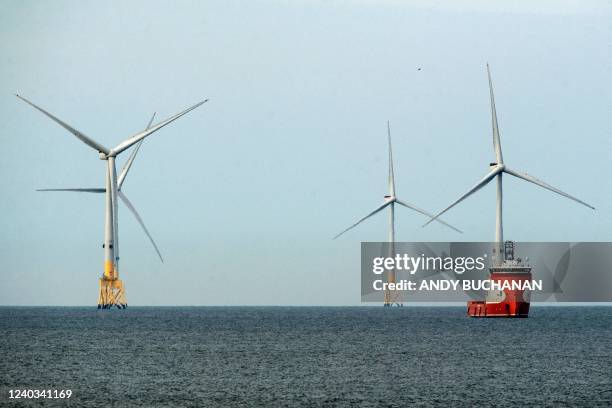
{"x":306,"y":356}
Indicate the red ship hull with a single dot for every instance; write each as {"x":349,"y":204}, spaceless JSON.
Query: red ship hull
{"x":506,"y":303}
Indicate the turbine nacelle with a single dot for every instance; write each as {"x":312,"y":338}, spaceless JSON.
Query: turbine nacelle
{"x":497,"y":168}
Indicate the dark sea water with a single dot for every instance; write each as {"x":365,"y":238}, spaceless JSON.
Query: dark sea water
{"x":307,"y":356}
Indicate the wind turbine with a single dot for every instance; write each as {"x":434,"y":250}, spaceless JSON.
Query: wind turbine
{"x":390,"y":200}
{"x":112,"y":292}
{"x":497,"y":169}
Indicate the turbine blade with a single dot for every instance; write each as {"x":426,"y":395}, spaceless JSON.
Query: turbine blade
{"x":85,"y":139}
{"x":417,"y":209}
{"x":151,"y":120}
{"x":494,"y":125}
{"x":128,"y":163}
{"x":391,"y":173}
{"x":75,"y":190}
{"x":364,"y":218}
{"x":542,"y":184}
{"x":141,"y":135}
{"x":131,"y":207}
{"x":477,"y":187}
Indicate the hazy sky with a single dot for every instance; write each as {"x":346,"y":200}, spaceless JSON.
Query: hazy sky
{"x":244,"y":194}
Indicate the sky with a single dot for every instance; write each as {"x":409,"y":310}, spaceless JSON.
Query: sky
{"x":244,"y":194}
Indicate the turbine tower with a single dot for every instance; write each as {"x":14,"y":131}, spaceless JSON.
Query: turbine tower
{"x":112,"y":291}
{"x":497,"y":169}
{"x":390,"y":200}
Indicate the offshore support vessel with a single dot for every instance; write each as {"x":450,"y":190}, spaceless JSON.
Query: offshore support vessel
{"x":506,"y":302}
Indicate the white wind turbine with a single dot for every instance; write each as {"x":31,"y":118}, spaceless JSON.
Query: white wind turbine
{"x":497,"y":170}
{"x":111,"y":288}
{"x":389,"y":202}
